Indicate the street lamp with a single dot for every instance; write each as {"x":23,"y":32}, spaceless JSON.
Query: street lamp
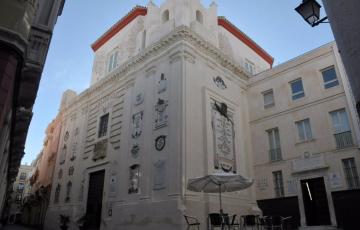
{"x":310,"y":11}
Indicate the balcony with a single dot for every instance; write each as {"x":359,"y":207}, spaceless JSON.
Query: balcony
{"x":17,"y":16}
{"x":275,"y":154}
{"x":343,"y":140}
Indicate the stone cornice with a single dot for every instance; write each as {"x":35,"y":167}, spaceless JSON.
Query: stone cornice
{"x":181,"y":33}
{"x":13,"y":39}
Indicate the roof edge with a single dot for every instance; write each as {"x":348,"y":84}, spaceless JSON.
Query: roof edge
{"x":123,"y":22}
{"x":222,"y":21}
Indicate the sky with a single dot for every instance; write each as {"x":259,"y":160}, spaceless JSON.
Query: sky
{"x":274,"y":25}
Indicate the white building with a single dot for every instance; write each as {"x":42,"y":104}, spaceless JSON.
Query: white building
{"x":305,"y":134}
{"x":151,"y":120}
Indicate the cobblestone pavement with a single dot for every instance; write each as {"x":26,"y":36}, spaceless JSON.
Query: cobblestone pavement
{"x":15,"y":227}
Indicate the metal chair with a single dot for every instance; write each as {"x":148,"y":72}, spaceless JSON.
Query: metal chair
{"x":234,"y":223}
{"x":192,"y":222}
{"x":250,"y":221}
{"x":215,"y":220}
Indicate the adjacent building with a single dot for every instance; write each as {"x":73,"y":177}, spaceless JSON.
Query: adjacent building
{"x":21,"y":189}
{"x":35,"y":205}
{"x":305,"y":135}
{"x":25,"y":33}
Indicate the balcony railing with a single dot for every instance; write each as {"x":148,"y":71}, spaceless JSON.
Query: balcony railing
{"x":343,"y":140}
{"x":275,"y":154}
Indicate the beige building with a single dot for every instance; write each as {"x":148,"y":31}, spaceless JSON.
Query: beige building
{"x":178,"y":92}
{"x":305,"y":135}
{"x":35,"y":206}
{"x":21,"y":190}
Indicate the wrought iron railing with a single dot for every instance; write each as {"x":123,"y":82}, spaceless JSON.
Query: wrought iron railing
{"x":343,"y":140}
{"x":275,"y":154}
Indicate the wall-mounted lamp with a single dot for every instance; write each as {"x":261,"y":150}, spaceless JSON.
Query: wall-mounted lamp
{"x":310,"y":11}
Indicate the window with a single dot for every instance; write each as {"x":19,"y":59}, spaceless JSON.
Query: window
{"x":249,"y":67}
{"x":112,"y":61}
{"x":21,"y":186}
{"x":103,"y":125}
{"x":304,"y":130}
{"x":278,"y":184}
{"x":199,"y":16}
{"x":23,"y":176}
{"x":165,"y":16}
{"x":268,"y":99}
{"x":329,"y":77}
{"x":57,"y":194}
{"x":68,"y":192}
{"x":274,"y":144}
{"x":342,"y":129}
{"x":351,"y":174}
{"x":297,"y":89}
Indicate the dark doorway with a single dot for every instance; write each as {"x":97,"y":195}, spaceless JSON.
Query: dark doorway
{"x":94,"y":200}
{"x":315,"y":202}
{"x":347,"y":208}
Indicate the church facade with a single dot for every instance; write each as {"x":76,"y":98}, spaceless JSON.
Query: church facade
{"x":169,"y":100}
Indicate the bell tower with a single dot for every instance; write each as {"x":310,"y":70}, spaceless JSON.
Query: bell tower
{"x":175,"y":13}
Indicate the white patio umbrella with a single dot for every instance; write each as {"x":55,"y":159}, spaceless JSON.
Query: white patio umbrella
{"x":219,"y":183}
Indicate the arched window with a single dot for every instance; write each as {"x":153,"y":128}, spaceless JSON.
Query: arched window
{"x":57,"y":194}
{"x":165,"y":16}
{"x":199,"y":16}
{"x":68,"y":191}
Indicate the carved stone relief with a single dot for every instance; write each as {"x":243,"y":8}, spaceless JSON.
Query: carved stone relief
{"x":60,"y":174}
{"x":162,"y":84}
{"x":73,"y":151}
{"x":159,"y":175}
{"x":100,"y":150}
{"x":219,"y":82}
{"x":135,"y":150}
{"x":57,"y":193}
{"x":71,"y":170}
{"x":134,"y":179}
{"x":223,"y":137}
{"x":137,"y":124}
{"x":139,"y":98}
{"x":63,"y":155}
{"x":160,"y":142}
{"x":161,"y":113}
{"x":66,"y":137}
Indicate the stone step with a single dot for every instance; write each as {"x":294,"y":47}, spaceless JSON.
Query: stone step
{"x":325,"y":227}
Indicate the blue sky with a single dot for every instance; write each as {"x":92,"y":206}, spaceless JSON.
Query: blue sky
{"x":274,"y":25}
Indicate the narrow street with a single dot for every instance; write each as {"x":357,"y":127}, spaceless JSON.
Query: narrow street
{"x":15,"y":227}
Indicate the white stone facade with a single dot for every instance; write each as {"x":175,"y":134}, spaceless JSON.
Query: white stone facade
{"x":156,"y":76}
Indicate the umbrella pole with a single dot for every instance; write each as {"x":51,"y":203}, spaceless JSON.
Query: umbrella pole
{"x":221,"y":211}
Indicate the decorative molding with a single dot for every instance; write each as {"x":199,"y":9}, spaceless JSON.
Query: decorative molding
{"x":161,"y":113}
{"x":162,"y":84}
{"x":135,"y":150}
{"x":71,"y":170}
{"x":137,"y":119}
{"x":100,"y":150}
{"x":160,"y":142}
{"x":181,"y":33}
{"x":219,"y":82}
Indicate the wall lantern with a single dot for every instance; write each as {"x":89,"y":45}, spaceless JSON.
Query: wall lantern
{"x":310,"y":11}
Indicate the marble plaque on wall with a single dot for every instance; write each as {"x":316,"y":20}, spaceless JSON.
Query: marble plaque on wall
{"x":159,"y":175}
{"x":223,"y":137}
